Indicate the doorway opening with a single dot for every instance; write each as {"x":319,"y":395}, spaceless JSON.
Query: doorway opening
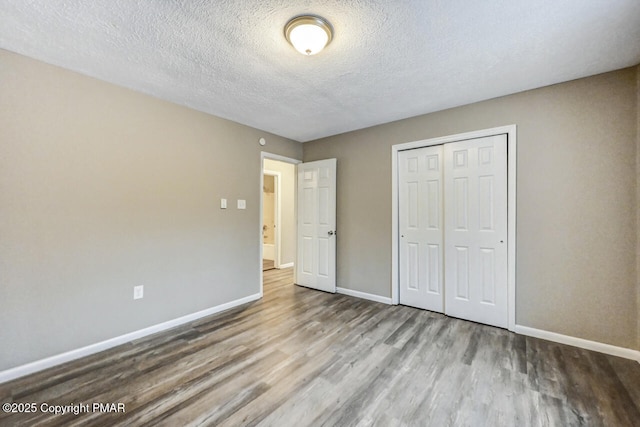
{"x":271,"y":214}
{"x":277,"y":213}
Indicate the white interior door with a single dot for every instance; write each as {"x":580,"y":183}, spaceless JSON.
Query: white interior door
{"x":420,"y":225}
{"x":475,"y":186}
{"x":316,"y":263}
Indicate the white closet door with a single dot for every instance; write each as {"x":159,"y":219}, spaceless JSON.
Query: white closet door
{"x":420,"y":222}
{"x":475,"y":185}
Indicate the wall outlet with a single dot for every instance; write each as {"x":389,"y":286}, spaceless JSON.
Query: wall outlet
{"x":138,"y":292}
{"x":242,"y":204}
{"x":223,"y":203}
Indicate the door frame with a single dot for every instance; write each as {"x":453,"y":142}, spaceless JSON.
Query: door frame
{"x":510,"y":131}
{"x":266,"y":155}
{"x":277,"y":176}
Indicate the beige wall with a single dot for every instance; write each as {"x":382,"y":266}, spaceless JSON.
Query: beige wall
{"x":638,"y":195}
{"x":287,"y":208}
{"x":576,"y":202}
{"x":102,"y":189}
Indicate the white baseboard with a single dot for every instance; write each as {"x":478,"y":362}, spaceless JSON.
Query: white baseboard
{"x":363,"y":295}
{"x":287,"y":265}
{"x":68,"y":356}
{"x":613,"y":350}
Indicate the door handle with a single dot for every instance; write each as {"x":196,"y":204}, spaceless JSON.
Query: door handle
{"x":330,"y":233}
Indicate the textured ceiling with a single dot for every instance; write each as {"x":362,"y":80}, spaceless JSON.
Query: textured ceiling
{"x":389,"y":59}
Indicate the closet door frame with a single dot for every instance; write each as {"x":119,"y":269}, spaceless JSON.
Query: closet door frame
{"x":510,"y":132}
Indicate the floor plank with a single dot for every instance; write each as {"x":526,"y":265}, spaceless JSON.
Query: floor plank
{"x":300,"y":357}
{"x":268,"y":264}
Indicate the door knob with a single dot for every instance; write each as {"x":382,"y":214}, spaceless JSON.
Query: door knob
{"x":330,"y":233}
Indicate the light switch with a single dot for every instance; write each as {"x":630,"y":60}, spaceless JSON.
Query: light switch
{"x":223,"y":203}
{"x":242,"y":204}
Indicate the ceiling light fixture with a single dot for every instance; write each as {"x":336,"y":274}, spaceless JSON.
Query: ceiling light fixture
{"x":308,"y":34}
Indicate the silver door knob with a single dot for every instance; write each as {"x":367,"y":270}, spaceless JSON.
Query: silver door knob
{"x":330,"y":233}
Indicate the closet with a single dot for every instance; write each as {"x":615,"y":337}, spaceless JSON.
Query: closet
{"x":452,"y":219}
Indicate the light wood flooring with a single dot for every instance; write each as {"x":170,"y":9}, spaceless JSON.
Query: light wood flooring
{"x":268,"y":264}
{"x":300,"y":357}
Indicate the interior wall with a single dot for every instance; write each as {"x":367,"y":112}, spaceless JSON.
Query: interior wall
{"x":576,"y":201}
{"x":103,"y":189}
{"x":287,"y":208}
{"x":638,"y":197}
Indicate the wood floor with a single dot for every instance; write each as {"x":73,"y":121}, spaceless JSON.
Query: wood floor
{"x":299,"y":357}
{"x":267,"y":264}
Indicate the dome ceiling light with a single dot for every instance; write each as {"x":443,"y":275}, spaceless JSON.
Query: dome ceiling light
{"x":308,"y":34}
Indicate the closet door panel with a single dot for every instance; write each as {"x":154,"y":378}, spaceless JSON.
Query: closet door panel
{"x":420,"y":226}
{"x":475,"y":225}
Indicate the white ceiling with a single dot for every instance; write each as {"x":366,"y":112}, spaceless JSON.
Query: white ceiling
{"x":389,"y":59}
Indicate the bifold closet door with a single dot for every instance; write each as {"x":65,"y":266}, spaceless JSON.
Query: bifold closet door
{"x":420,"y":223}
{"x":475,"y":188}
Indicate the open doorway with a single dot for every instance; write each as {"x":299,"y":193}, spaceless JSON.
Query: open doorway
{"x":278,"y":213}
{"x":271,"y":214}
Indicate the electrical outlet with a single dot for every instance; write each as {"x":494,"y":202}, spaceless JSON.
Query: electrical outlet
{"x":223,"y":203}
{"x":138,"y":292}
{"x":242,"y":204}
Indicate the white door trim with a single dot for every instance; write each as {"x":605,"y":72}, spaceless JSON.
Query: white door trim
{"x":276,"y":216}
{"x":271,"y":156}
{"x":510,"y":131}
